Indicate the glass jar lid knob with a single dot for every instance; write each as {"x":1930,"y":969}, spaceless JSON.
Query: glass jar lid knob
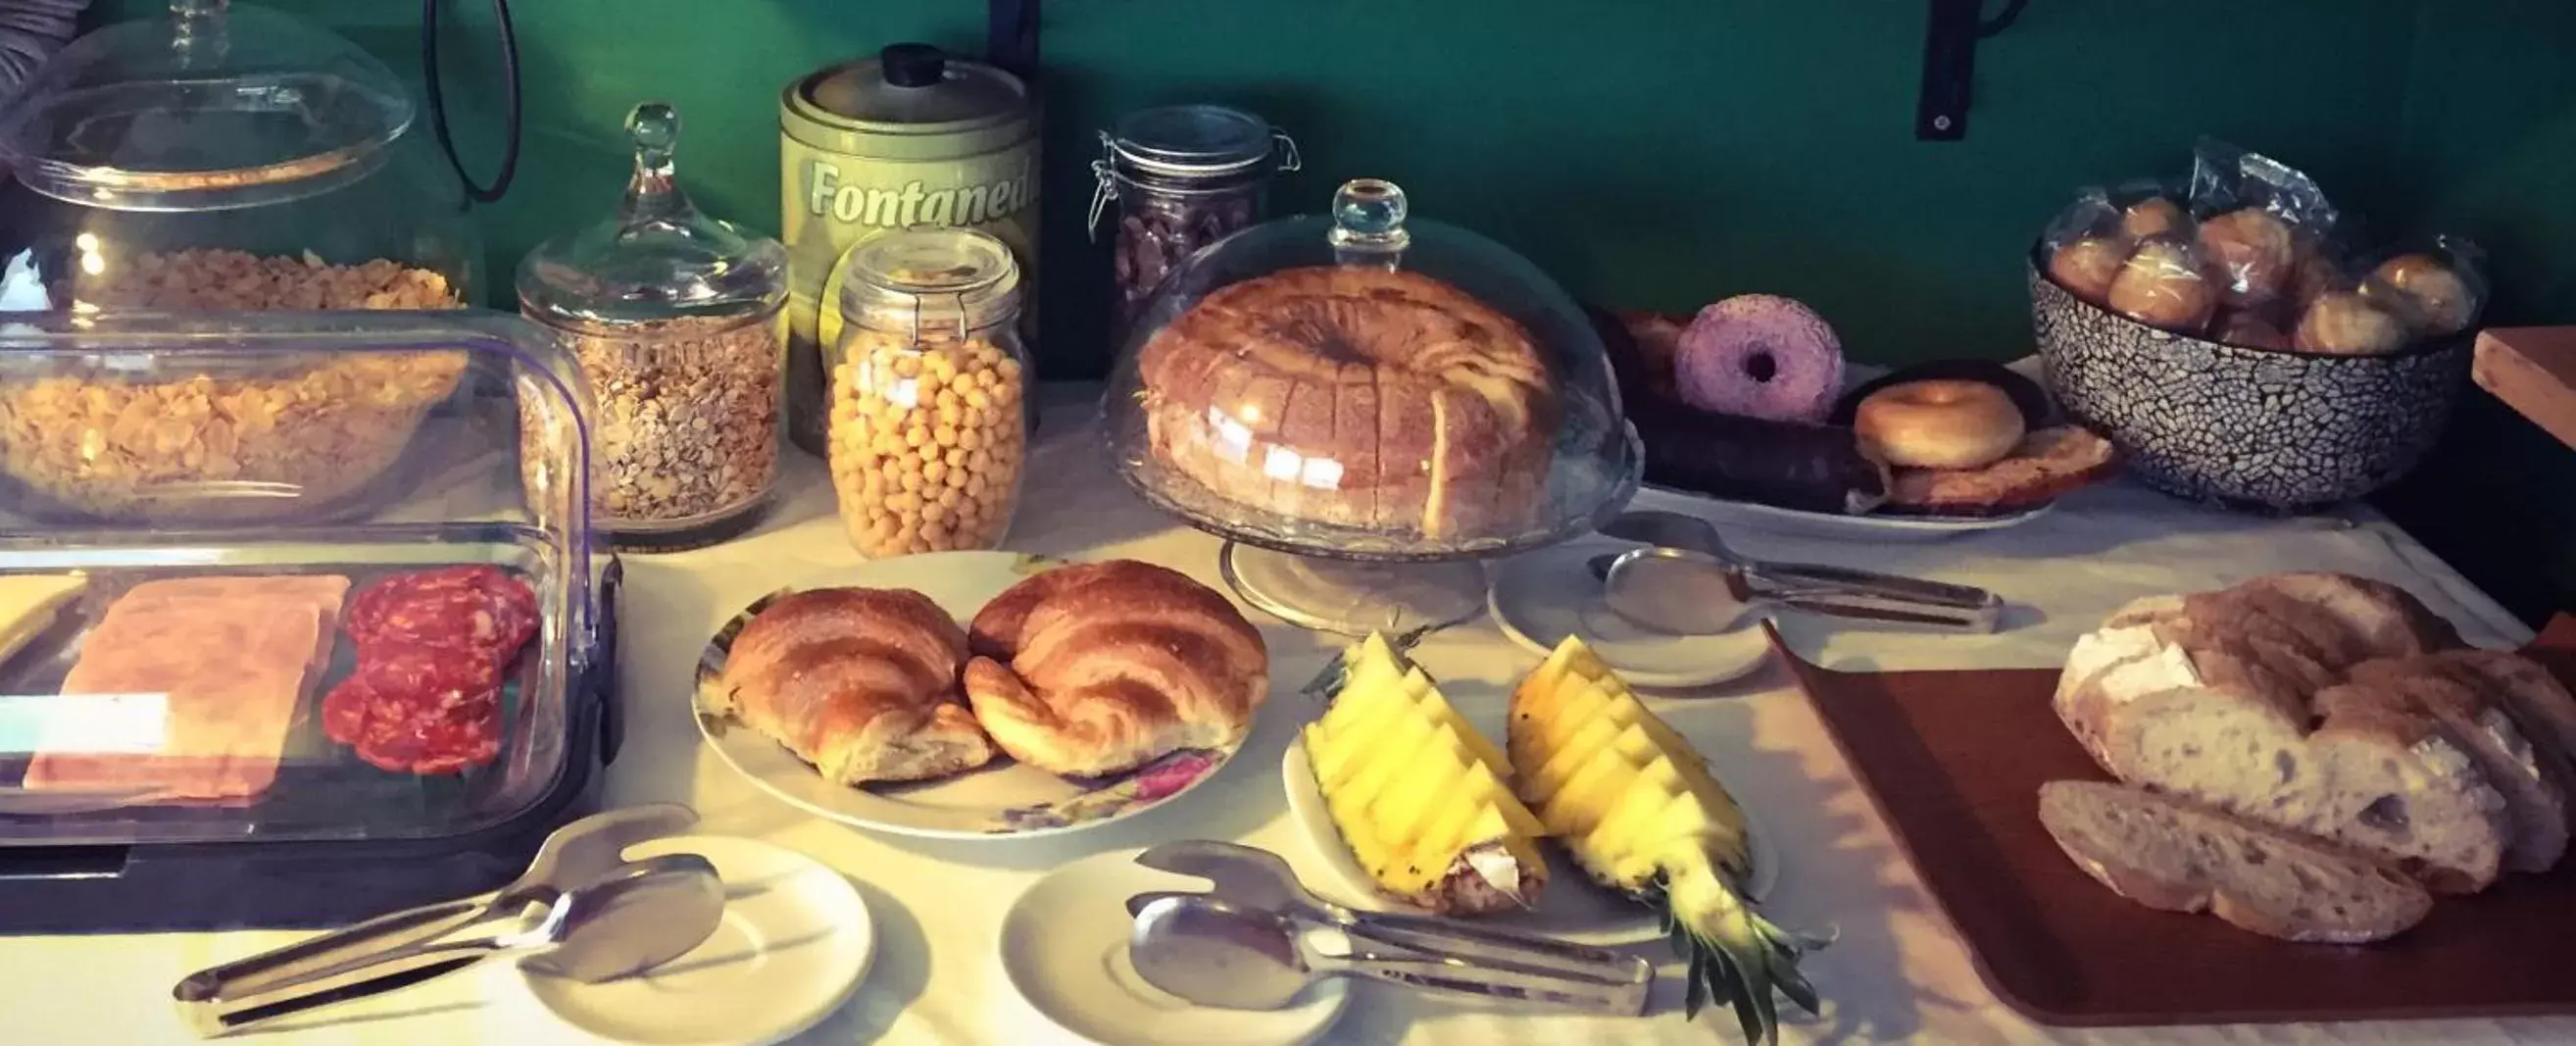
{"x":1368,"y":223}
{"x":654,"y":127}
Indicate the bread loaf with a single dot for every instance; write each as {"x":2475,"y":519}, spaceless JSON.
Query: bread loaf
{"x":1098,"y":668}
{"x":2240,"y":700}
{"x":862,"y":683}
{"x":2177,"y":856}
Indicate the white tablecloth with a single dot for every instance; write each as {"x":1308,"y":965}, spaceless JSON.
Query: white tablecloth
{"x":1897,"y":974}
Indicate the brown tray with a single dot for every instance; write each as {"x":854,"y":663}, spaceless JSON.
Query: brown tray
{"x":1954,"y":761}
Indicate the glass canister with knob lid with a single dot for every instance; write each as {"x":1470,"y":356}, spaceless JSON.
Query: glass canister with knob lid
{"x":927,"y":433}
{"x":675,"y":318}
{"x":224,"y":159}
{"x":1183,"y":177}
{"x":232,"y":158}
{"x":1366,"y":403}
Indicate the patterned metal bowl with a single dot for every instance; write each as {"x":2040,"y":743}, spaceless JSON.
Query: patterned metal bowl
{"x":2266,"y":429}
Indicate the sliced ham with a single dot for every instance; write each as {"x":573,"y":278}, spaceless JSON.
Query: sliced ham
{"x":229,"y":659}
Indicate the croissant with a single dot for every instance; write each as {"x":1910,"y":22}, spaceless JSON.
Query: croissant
{"x":1094,"y":669}
{"x":860,"y":682}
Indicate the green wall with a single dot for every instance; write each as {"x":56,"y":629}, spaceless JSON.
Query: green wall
{"x":1664,"y":153}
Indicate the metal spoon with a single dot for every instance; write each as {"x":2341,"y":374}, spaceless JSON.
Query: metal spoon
{"x":1689,"y":583}
{"x":574,"y":855}
{"x":638,"y":917}
{"x":1215,"y":954}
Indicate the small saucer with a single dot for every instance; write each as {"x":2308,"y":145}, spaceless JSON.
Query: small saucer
{"x":795,"y":943}
{"x":1064,"y":946}
{"x":1540,"y":598}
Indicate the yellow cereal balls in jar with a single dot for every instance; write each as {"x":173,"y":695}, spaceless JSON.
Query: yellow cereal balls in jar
{"x":926,"y":431}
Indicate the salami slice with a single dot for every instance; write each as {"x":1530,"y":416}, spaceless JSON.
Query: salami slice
{"x":433,"y":647}
{"x":345,"y":710}
{"x":480,"y":606}
{"x":432,"y":736}
{"x":414,"y":669}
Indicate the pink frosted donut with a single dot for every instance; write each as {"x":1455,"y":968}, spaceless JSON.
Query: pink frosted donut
{"x":1761,"y":356}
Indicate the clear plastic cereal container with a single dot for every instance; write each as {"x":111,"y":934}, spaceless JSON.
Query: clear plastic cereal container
{"x":926,"y":429}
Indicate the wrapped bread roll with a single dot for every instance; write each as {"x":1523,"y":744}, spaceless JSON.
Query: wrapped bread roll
{"x":2427,"y":294}
{"x":2346,"y":324}
{"x":2152,"y":217}
{"x":2087,"y":267}
{"x":2162,"y":286}
{"x":2251,"y":331}
{"x":2252,"y":253}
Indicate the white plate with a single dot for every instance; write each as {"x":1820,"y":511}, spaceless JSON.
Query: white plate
{"x":999,"y":799}
{"x":795,"y":942}
{"x":1064,"y":946}
{"x":1570,"y":908}
{"x":1540,"y":598}
{"x":1829,"y":526}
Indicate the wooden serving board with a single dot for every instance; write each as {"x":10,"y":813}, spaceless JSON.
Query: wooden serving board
{"x":1954,"y":761}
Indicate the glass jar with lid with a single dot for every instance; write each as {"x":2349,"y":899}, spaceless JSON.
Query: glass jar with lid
{"x":927,"y":432}
{"x":225,"y":158}
{"x":675,"y":318}
{"x":1183,"y":176}
{"x":220,"y":159}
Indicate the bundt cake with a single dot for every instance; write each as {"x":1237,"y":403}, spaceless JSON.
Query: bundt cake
{"x":1355,"y":396}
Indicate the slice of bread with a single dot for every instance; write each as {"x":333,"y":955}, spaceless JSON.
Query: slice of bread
{"x":2173,"y":855}
{"x":2534,"y":796}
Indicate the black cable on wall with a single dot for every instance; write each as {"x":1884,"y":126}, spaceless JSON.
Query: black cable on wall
{"x":438,"y":103}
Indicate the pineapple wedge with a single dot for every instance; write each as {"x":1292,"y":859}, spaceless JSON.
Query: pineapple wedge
{"x":1418,"y":795}
{"x":1641,"y":814}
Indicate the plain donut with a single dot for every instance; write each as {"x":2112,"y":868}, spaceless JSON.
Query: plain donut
{"x":1938,"y":424}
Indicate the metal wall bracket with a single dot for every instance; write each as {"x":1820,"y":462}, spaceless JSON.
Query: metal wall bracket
{"x":1011,"y":37}
{"x":1950,"y":64}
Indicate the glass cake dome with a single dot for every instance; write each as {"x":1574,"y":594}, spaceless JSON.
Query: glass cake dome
{"x":1366,"y":407}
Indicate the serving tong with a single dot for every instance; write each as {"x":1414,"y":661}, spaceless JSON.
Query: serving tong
{"x":1255,"y":894}
{"x":1686,"y":581}
{"x":392,"y":951}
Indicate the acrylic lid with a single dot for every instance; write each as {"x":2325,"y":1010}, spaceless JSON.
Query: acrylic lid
{"x":212,"y":106}
{"x":1369,"y":385}
{"x":656,"y":256}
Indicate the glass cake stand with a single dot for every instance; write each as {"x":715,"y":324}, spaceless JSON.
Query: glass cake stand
{"x":1367,"y":409}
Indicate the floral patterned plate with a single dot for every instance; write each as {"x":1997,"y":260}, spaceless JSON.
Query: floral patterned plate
{"x":997,"y":800}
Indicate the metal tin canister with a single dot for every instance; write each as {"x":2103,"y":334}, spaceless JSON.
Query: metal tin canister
{"x":912,"y":136}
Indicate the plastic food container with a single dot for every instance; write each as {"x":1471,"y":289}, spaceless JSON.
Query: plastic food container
{"x":224,"y":159}
{"x":307,"y":699}
{"x":674,"y":317}
{"x":927,"y":429}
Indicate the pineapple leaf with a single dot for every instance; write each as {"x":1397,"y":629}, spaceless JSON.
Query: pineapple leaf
{"x":1696,"y":993}
{"x":1793,"y":983}
{"x":1748,"y":1015}
{"x":1759,"y":986}
{"x":1718,"y":990}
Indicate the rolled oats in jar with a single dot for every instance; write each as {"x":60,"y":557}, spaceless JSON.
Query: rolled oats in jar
{"x":926,"y":434}
{"x":676,"y":320}
{"x":1183,"y":176}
